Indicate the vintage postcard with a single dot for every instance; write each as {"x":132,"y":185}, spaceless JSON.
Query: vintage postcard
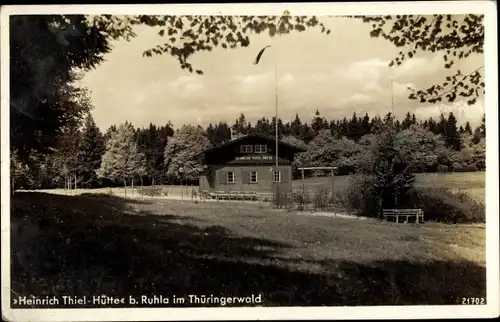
{"x":249,"y":161}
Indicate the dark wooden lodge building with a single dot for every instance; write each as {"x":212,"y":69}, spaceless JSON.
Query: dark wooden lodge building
{"x":247,"y":165}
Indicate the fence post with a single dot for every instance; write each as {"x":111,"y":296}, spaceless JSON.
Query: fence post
{"x":333,"y":188}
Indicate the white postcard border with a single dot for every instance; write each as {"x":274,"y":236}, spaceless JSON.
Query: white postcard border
{"x":488,"y":8}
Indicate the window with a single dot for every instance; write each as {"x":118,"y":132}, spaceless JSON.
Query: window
{"x":261,"y":148}
{"x":246,"y":149}
{"x":277,"y":176}
{"x":230,"y":177}
{"x":253,"y":177}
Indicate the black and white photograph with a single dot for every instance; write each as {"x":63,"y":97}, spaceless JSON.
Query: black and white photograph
{"x":249,"y":161}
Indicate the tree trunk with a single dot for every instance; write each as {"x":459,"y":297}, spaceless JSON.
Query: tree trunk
{"x":132,"y":187}
{"x":142,"y":188}
{"x":125,"y":186}
{"x":182,"y":189}
{"x":75,"y":183}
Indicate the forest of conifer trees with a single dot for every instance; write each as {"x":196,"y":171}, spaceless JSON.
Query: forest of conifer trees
{"x":83,"y":152}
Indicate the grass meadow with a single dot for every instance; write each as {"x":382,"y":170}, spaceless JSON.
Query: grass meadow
{"x":97,"y":243}
{"x":101,"y":244}
{"x":472,"y":183}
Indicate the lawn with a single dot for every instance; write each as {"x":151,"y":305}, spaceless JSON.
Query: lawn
{"x":101,"y":244}
{"x":471,"y":182}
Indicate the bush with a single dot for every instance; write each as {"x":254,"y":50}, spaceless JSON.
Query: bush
{"x":322,"y":198}
{"x":360,"y":197}
{"x":150,"y":191}
{"x":443,"y":205}
{"x":282,"y":199}
{"x":438,"y":204}
{"x":301,"y":197}
{"x":460,"y":167}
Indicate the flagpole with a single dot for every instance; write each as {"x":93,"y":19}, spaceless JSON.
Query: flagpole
{"x":278,"y":181}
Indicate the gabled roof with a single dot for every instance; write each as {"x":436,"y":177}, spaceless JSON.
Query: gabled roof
{"x":265,"y":137}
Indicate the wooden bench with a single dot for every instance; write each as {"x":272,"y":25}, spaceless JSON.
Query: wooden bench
{"x":405,"y":213}
{"x":233,"y":195}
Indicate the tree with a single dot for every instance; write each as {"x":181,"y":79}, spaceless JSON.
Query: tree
{"x":182,"y":152}
{"x":240,"y":126}
{"x":421,"y":149}
{"x":41,"y":101}
{"x":365,"y":127}
{"x":306,"y":133}
{"x":300,"y":158}
{"x":468,"y":128}
{"x":151,"y":142}
{"x":441,"y":126}
{"x":295,"y":126}
{"x":326,"y":151}
{"x":281,"y":127}
{"x":293,"y":140}
{"x":89,"y":153}
{"x":45,"y":52}
{"x":471,"y":157}
{"x":187,"y":35}
{"x":388,"y":173}
{"x":318,"y":123}
{"x":65,"y":156}
{"x":354,"y":128}
{"x":452,"y":137}
{"x":480,"y":131}
{"x":122,"y":159}
{"x":376,"y":124}
{"x":389,"y":119}
{"x":455,"y":36}
{"x":407,"y":122}
{"x":264,"y":127}
{"x":413,"y":119}
{"x":210,"y":131}
{"x":222,"y":133}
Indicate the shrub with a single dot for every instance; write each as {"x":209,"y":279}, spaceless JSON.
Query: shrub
{"x":321,"y":198}
{"x":360,"y":197}
{"x":438,"y":204}
{"x":282,"y":199}
{"x":150,"y":191}
{"x":301,"y":197}
{"x":443,"y":205}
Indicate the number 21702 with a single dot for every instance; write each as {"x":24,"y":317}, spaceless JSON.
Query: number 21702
{"x":473,"y":301}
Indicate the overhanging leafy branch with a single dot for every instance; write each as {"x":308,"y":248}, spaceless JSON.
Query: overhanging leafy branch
{"x":457,"y":37}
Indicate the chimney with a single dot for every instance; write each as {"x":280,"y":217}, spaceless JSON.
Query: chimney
{"x":234,"y":136}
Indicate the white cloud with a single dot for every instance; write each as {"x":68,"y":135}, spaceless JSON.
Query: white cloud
{"x":336,"y":75}
{"x":373,"y":86}
{"x":358,"y":99}
{"x":286,"y":79}
{"x":401,"y":88}
{"x":418,"y":66}
{"x":461,"y":110}
{"x":371,"y":69}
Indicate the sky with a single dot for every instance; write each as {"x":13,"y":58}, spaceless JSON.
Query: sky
{"x":344,"y":72}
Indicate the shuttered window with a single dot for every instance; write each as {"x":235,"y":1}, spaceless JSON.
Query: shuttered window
{"x":253,"y":177}
{"x":276,"y":176}
{"x":230,"y":177}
